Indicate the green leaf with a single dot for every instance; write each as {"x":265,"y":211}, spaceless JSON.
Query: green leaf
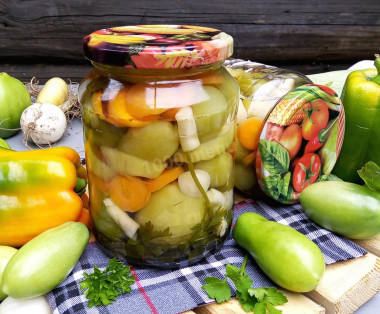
{"x":147,"y":232}
{"x":259,"y":293}
{"x":275,"y":297}
{"x":217,"y":289}
{"x":260,"y":308}
{"x":278,"y":187}
{"x":241,"y":282}
{"x":271,"y":309}
{"x":102,"y":287}
{"x":274,"y":157}
{"x":246,"y":301}
{"x":370,"y":173}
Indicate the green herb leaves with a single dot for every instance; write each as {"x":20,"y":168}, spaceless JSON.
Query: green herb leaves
{"x":217,"y":289}
{"x":370,"y":174}
{"x":260,"y":300}
{"x":102,"y":287}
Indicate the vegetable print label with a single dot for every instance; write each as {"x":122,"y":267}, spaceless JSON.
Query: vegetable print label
{"x":300,"y":142}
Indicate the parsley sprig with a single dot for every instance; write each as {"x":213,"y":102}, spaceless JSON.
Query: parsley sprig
{"x":259,"y":300}
{"x":102,"y":287}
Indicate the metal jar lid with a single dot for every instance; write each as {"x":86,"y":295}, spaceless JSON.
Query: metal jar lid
{"x":157,"y":46}
{"x":300,"y":142}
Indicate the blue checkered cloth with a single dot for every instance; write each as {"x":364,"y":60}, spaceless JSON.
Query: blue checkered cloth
{"x":179,"y":290}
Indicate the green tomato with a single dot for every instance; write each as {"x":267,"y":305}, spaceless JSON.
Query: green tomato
{"x":245,"y":178}
{"x":45,"y":261}
{"x":6,"y":252}
{"x":219,"y":168}
{"x":345,"y":208}
{"x":171,"y":208}
{"x":14,"y":99}
{"x":289,"y":258}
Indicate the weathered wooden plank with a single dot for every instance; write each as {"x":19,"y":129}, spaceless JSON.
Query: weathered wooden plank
{"x":263,"y":30}
{"x":347,"y":285}
{"x":371,"y":245}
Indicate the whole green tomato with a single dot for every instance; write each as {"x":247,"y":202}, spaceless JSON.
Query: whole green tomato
{"x":14,"y":99}
{"x":349,"y":209}
{"x":6,"y":252}
{"x":45,"y":261}
{"x":286,"y":256}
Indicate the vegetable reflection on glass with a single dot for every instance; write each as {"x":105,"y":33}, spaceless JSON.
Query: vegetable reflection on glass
{"x":32,"y":184}
{"x":361,"y":100}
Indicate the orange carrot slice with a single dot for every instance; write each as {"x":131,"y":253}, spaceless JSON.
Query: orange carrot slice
{"x":141,"y":100}
{"x":97,"y":104}
{"x":169,"y":115}
{"x":169,"y":175}
{"x":129,"y":193}
{"x":120,"y":115}
{"x":249,"y":159}
{"x":248,"y":132}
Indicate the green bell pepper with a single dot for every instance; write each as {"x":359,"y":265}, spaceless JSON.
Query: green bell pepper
{"x":361,"y":101}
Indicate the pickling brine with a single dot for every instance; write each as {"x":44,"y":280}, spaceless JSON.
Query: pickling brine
{"x":159,"y":119}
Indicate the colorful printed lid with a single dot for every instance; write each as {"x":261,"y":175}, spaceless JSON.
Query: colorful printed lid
{"x":300,"y":142}
{"x":158,"y":46}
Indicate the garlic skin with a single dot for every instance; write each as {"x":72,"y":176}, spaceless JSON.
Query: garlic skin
{"x":43,"y":123}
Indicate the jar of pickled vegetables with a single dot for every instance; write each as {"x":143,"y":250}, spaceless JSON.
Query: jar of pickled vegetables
{"x":159,"y":119}
{"x":289,"y":131}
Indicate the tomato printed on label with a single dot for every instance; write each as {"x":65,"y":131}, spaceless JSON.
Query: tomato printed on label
{"x":291,"y":140}
{"x":306,"y":171}
{"x":316,"y":120}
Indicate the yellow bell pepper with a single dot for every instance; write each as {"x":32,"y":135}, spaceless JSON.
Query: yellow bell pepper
{"x":38,"y":192}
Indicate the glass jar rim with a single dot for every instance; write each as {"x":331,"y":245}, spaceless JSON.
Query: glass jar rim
{"x":158,"y":46}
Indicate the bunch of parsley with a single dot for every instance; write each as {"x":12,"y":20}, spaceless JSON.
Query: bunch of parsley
{"x":102,"y":287}
{"x":259,"y":300}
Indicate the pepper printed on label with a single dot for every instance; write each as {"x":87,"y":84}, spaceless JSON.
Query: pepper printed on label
{"x":300,"y":142}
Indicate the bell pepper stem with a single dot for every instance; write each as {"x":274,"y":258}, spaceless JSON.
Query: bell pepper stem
{"x":376,"y":79}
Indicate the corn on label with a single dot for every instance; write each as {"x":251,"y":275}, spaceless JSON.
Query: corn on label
{"x":158,"y":46}
{"x":300,"y":142}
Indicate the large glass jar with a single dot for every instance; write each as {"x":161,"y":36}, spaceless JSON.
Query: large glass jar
{"x":159,"y":119}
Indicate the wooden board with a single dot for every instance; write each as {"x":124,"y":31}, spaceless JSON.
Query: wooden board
{"x":371,"y":245}
{"x":344,"y":288}
{"x":348,"y":285}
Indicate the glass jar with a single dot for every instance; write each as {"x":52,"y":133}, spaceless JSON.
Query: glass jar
{"x":289,"y":131}
{"x":159,"y":119}
{"x":261,"y":87}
